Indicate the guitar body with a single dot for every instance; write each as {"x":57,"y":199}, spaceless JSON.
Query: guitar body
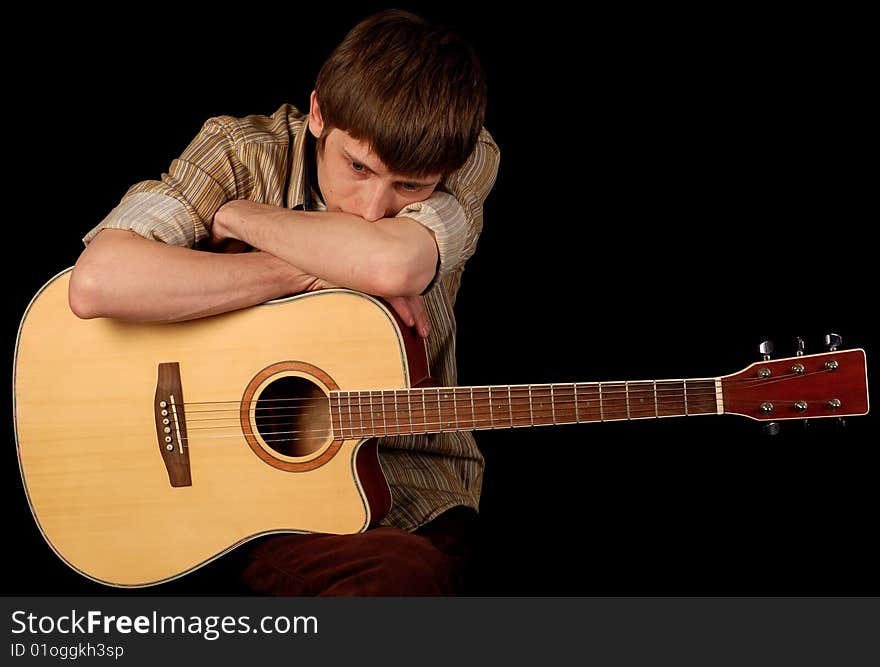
{"x":90,"y":443}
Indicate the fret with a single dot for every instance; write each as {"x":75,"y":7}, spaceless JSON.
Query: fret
{"x":589,"y":403}
{"x":396,"y":428}
{"x":350,"y":418}
{"x":656,"y":408}
{"x":491,"y":411}
{"x":384,"y":420}
{"x":684,"y":384}
{"x":433,"y":424}
{"x":340,"y":432}
{"x":372,"y":418}
{"x":333,"y":428}
{"x":424,"y":411}
{"x":542,"y":409}
{"x":439,"y":417}
{"x":409,"y":410}
{"x":535,"y":405}
{"x":424,"y":417}
{"x":455,"y":408}
{"x":577,"y":416}
{"x":360,"y":414}
{"x":601,"y":405}
{"x":473,"y":413}
{"x":626,"y":391}
{"x":566,"y":407}
{"x":510,"y":405}
{"x":704,"y":399}
{"x":673,"y":399}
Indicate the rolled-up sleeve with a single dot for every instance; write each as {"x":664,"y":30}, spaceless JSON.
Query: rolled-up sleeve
{"x":179,"y":208}
{"x":444,"y":216}
{"x":455,"y":211}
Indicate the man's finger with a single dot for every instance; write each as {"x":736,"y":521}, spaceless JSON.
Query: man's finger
{"x":402,"y":307}
{"x":420,"y":314}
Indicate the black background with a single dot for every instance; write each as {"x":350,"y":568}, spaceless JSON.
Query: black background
{"x":674,"y":187}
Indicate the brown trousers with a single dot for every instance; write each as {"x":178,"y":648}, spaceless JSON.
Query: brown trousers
{"x":383,"y":561}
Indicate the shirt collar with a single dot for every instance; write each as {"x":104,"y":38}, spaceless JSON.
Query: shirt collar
{"x":302,"y":191}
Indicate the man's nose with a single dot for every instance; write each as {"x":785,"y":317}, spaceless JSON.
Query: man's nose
{"x":377,"y":203}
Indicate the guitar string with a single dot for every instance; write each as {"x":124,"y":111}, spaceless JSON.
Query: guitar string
{"x":367,"y":400}
{"x":638,"y":398}
{"x":430,"y":403}
{"x":608,"y":389}
{"x":364,"y":427}
{"x":463,"y":412}
{"x":416,"y":427}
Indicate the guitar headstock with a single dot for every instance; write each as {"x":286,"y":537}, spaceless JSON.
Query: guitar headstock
{"x":807,"y":386}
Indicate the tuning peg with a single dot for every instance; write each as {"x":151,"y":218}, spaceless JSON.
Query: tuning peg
{"x":801,"y":346}
{"x":771,"y":428}
{"x":833,"y":341}
{"x":766,"y":348}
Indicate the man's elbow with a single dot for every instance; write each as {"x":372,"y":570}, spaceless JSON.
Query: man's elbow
{"x":84,"y":293}
{"x":404,"y":275}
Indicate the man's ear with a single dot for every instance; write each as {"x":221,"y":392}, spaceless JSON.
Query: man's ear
{"x":316,"y":121}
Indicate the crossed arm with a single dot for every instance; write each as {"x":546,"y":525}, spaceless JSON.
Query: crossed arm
{"x":121,"y":274}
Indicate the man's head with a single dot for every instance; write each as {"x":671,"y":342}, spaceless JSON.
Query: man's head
{"x":398,"y":105}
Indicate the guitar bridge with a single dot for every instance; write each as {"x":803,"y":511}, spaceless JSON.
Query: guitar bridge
{"x":168,"y":409}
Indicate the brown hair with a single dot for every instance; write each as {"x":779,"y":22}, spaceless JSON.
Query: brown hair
{"x":415,"y":92}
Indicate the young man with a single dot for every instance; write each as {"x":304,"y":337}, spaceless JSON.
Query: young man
{"x":379,"y":189}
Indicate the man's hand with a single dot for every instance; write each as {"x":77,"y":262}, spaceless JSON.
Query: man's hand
{"x":412,"y":311}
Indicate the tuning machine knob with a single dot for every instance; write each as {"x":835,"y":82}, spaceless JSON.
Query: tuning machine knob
{"x":833,"y":341}
{"x":766,"y":348}
{"x":771,"y":428}
{"x":801,"y":346}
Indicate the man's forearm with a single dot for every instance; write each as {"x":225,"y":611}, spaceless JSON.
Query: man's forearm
{"x":390,"y":257}
{"x":125,"y":276}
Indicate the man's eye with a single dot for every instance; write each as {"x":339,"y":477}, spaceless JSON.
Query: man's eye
{"x":409,"y":187}
{"x":358,"y":167}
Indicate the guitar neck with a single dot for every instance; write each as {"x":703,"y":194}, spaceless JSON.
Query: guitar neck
{"x":367,"y":414}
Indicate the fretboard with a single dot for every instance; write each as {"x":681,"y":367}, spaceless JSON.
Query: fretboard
{"x":365,"y":414}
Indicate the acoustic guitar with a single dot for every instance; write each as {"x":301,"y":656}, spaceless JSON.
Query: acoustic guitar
{"x":148,"y":450}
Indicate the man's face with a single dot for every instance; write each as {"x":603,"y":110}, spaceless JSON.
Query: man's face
{"x":354,"y":180}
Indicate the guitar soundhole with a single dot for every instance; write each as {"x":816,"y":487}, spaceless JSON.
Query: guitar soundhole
{"x":293,"y":416}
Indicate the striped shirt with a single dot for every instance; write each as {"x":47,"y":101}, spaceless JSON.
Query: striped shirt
{"x":263,"y":159}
